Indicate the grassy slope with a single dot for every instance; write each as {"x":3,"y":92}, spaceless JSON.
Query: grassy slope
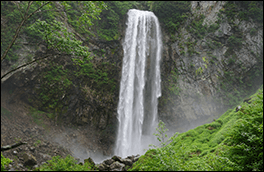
{"x":232,"y":142}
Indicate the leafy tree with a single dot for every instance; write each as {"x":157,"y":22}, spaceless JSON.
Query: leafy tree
{"x":53,"y":32}
{"x":162,"y":136}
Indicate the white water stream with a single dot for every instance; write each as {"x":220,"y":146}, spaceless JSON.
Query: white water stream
{"x":140,"y":83}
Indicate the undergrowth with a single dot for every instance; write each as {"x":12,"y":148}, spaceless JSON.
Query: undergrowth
{"x":4,"y":162}
{"x":232,"y":142}
{"x":65,"y":164}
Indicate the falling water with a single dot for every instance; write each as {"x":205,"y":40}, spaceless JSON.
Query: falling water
{"x":140,"y":82}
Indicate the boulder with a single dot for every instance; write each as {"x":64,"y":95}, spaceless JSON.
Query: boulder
{"x":136,"y":158}
{"x":117,"y":166}
{"x":109,"y":161}
{"x":29,"y":160}
{"x":117,"y":158}
{"x":131,"y":157}
{"x":102,"y":167}
{"x":127,"y":161}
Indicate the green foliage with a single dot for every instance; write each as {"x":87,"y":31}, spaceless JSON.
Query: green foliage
{"x":98,"y":77}
{"x":38,"y":116}
{"x":44,"y":25}
{"x":205,"y":59}
{"x":83,"y":14}
{"x":12,"y":13}
{"x":174,"y":89}
{"x":190,"y":46}
{"x":253,"y":32}
{"x":213,"y":27}
{"x":217,"y":44}
{"x":4,"y":162}
{"x":234,"y":41}
{"x":37,"y":143}
{"x":64,"y":164}
{"x":231,"y":61}
{"x":171,"y":13}
{"x":247,"y":9}
{"x":57,"y":37}
{"x":107,"y":28}
{"x":11,"y":17}
{"x":161,"y":134}
{"x":232,"y":142}
{"x":247,"y":136}
{"x":55,"y":83}
{"x":197,"y":28}
{"x":199,"y":71}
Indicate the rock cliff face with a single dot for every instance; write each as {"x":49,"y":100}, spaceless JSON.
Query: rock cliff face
{"x":202,"y":76}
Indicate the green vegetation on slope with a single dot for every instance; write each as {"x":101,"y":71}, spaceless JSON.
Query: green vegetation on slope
{"x":171,"y":13}
{"x":65,"y":164}
{"x":41,"y":22}
{"x":108,"y":28}
{"x":4,"y":162}
{"x":232,"y":142}
{"x":57,"y":164}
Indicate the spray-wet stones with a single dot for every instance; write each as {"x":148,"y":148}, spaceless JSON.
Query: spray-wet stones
{"x":116,"y":163}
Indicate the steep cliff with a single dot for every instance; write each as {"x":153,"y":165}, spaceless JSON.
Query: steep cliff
{"x":212,"y":62}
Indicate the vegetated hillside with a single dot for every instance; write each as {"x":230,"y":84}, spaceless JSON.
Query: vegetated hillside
{"x":232,"y":142}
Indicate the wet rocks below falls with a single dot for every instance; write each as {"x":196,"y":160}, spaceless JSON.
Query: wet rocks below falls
{"x":117,"y":163}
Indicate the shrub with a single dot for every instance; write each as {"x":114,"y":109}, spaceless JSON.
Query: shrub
{"x":234,"y":41}
{"x":64,"y":164}
{"x":171,"y":13}
{"x":4,"y":162}
{"x":247,"y":137}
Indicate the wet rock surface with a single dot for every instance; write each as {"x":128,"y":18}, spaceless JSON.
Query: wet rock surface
{"x":116,"y":163}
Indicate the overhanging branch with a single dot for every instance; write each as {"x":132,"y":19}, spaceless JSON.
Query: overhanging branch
{"x":8,"y":147}
{"x":24,"y":65}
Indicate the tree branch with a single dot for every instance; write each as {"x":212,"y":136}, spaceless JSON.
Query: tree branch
{"x":37,"y":10}
{"x":20,"y":26}
{"x":24,"y":65}
{"x":17,"y":32}
{"x":8,"y":147}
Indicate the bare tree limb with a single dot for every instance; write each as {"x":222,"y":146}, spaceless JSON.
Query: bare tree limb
{"x":24,"y":65}
{"x":8,"y":147}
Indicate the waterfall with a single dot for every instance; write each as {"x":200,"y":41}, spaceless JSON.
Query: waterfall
{"x":140,"y":82}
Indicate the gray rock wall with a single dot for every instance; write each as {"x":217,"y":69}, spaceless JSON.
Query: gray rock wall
{"x":201,"y":76}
